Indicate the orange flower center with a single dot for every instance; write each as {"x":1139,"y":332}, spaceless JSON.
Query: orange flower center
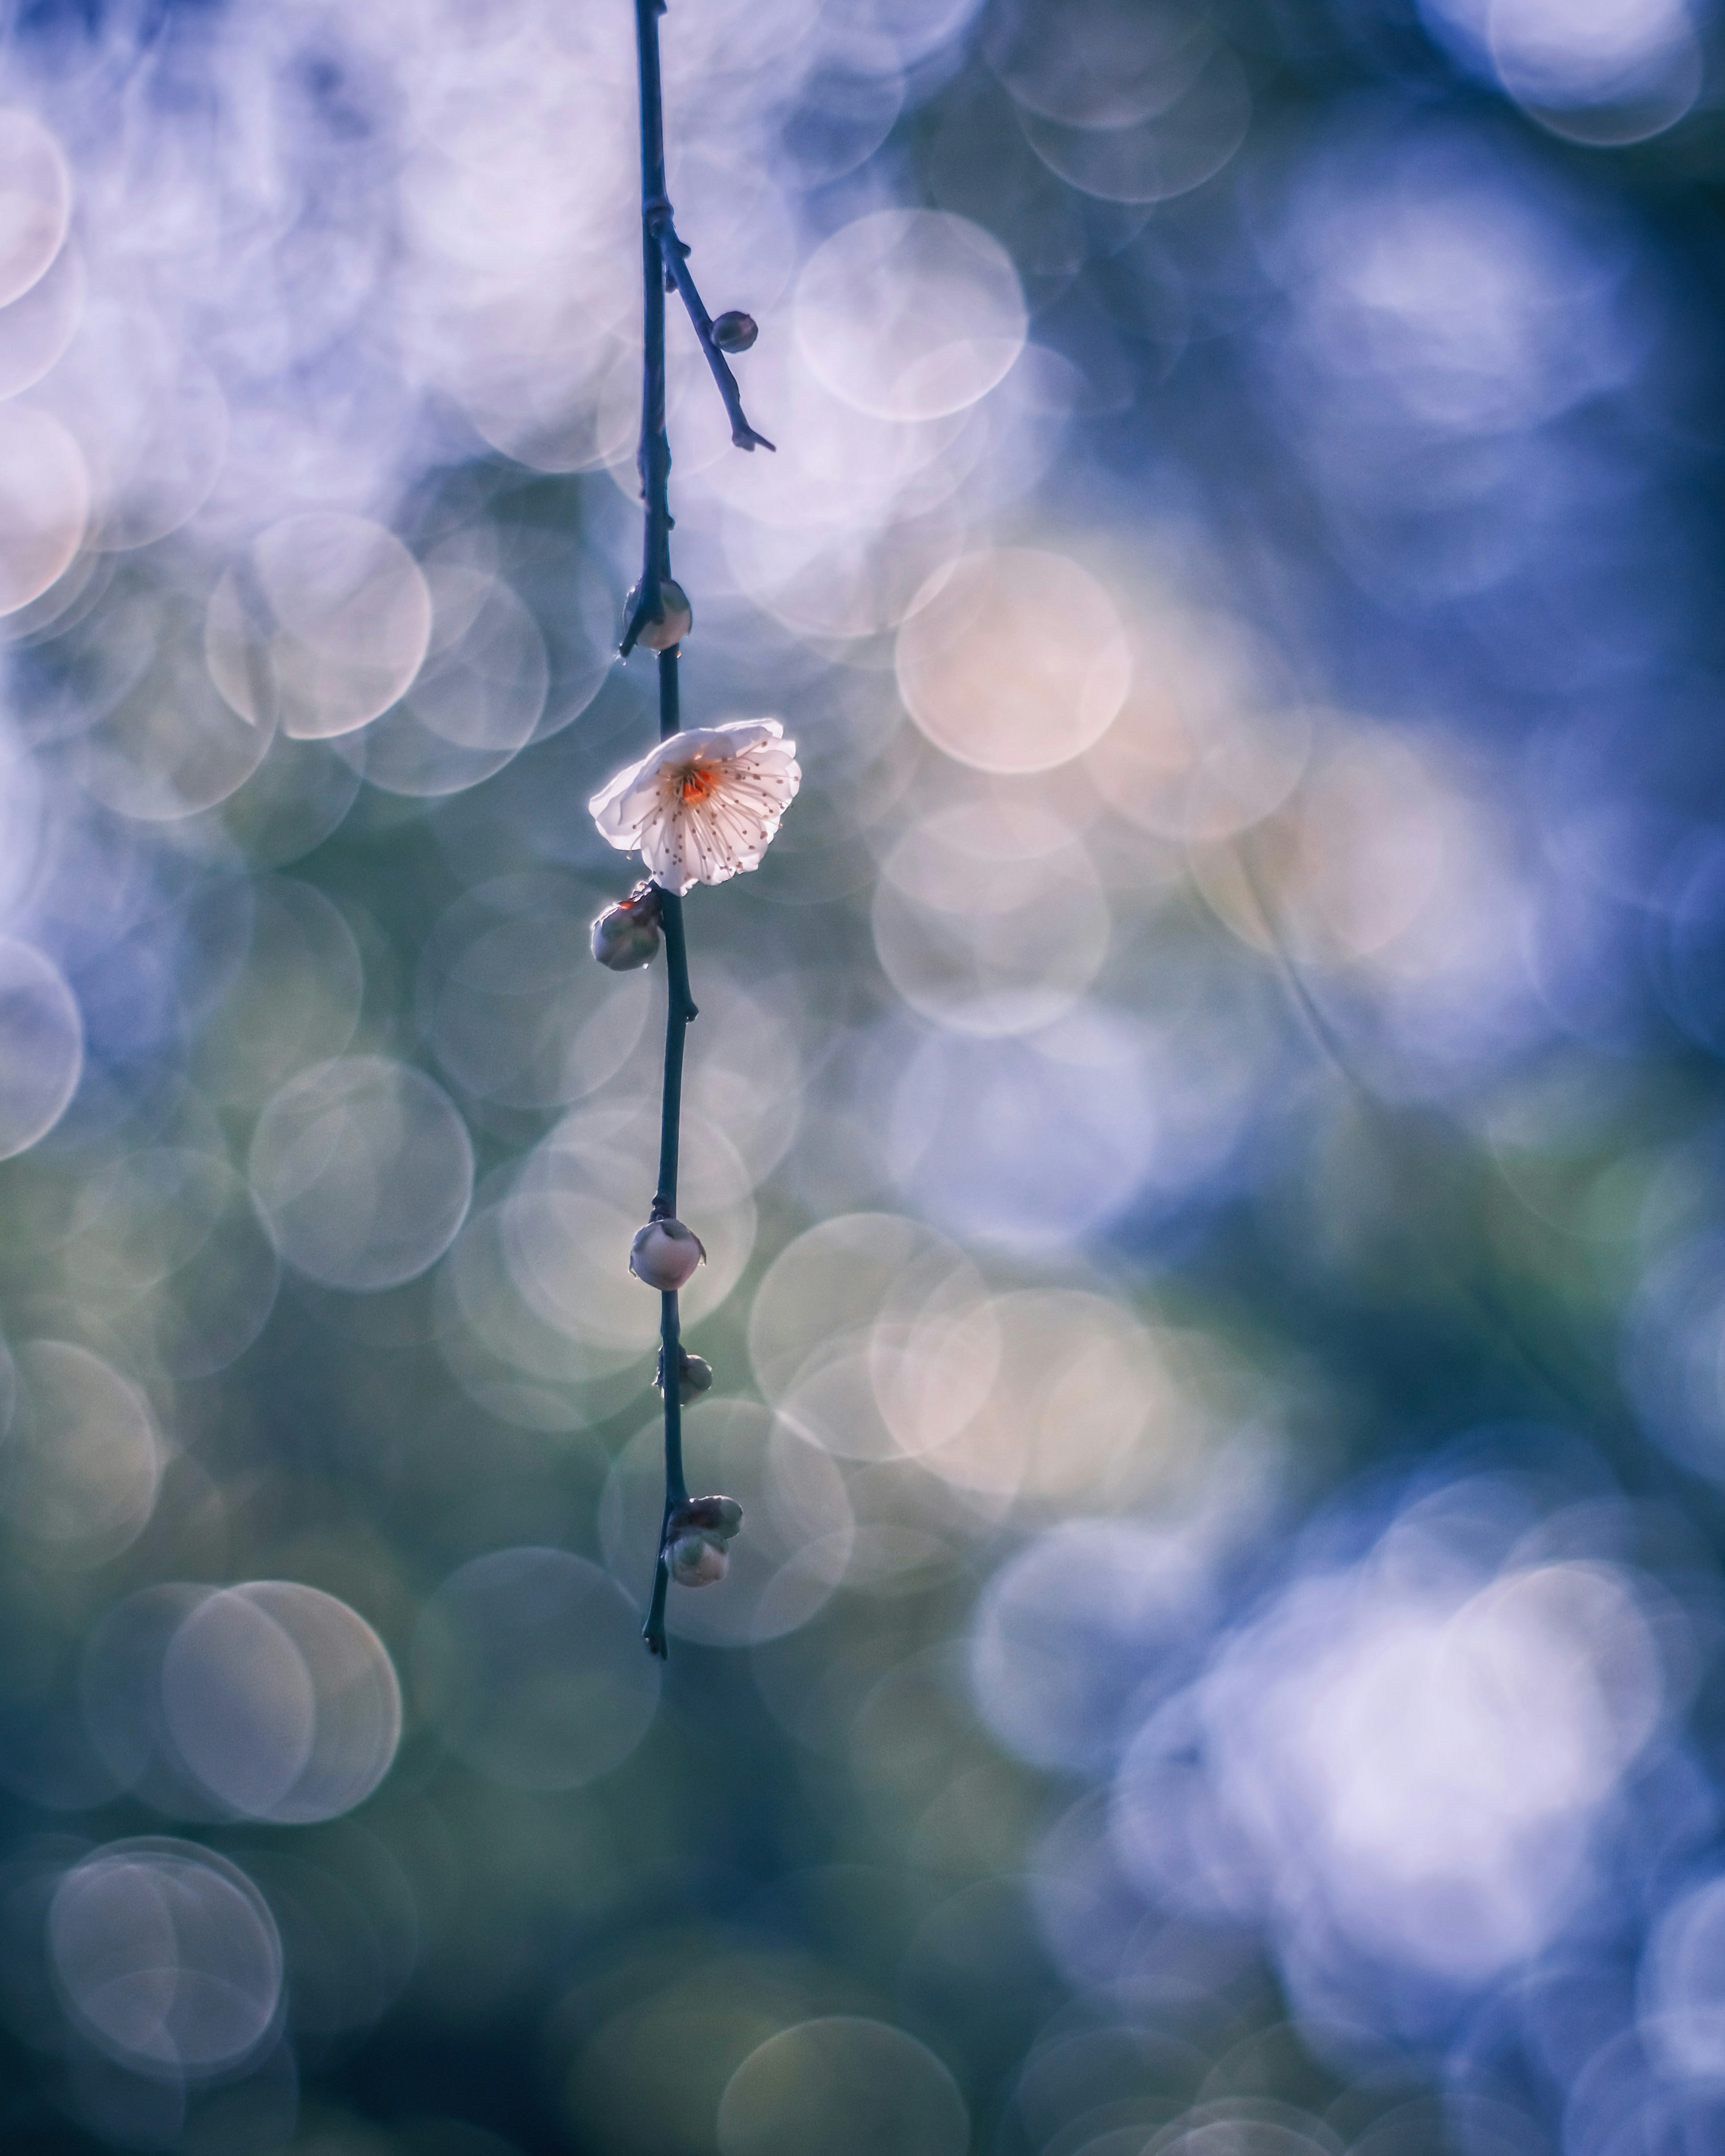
{"x":695,"y":783}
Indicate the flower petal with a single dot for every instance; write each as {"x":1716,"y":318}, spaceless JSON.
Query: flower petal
{"x":754,"y":776}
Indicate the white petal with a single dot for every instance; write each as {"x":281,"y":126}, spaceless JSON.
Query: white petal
{"x":618,"y":810}
{"x":709,"y":841}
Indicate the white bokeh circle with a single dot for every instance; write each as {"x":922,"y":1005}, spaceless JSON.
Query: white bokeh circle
{"x":530,"y":1664}
{"x":363,"y":1168}
{"x":322,"y":627}
{"x":41,"y":1045}
{"x":910,"y":313}
{"x":166,"y":1956}
{"x":281,"y":1701}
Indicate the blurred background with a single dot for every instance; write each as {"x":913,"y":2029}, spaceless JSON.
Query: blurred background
{"x":1206,"y":1124}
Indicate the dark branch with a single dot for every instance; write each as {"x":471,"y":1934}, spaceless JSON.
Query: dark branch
{"x":663,"y":264}
{"x":665,"y":268}
{"x":674,"y":255}
{"x":655,"y":569}
{"x":653,"y":459}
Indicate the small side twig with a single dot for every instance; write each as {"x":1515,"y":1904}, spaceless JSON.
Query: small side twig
{"x":664,"y":265}
{"x":675,"y":254}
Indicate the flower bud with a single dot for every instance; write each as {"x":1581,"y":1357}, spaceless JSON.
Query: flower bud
{"x":695,"y":1377}
{"x":626,"y":935}
{"x":735,"y":332}
{"x":664,"y":1254}
{"x":670,"y":625}
{"x":696,"y":1536}
{"x":694,"y":1562}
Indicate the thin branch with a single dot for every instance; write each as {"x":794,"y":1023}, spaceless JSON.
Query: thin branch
{"x":674,"y":255}
{"x":653,"y":459}
{"x":679,"y":1009}
{"x":664,"y":264}
{"x":663,"y":268}
{"x":654,"y":462}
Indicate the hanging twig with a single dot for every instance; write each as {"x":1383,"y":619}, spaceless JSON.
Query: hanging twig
{"x":654,"y":459}
{"x":675,"y":256}
{"x":679,"y":1009}
{"x":658,"y":608}
{"x":665,"y":263}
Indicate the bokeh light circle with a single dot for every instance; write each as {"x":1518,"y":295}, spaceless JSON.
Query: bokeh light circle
{"x":1096,"y":66}
{"x":281,"y":1701}
{"x":1682,"y":1989}
{"x":1014,"y":660}
{"x":1171,"y":152}
{"x":170,"y":1243}
{"x":295,"y":1001}
{"x":363,"y":1168}
{"x":870,"y":1334}
{"x":167,"y":1956}
{"x":910,"y":313}
{"x":322,"y":628}
{"x":847,"y":2087}
{"x":36,"y":329}
{"x":1081,"y":1406}
{"x":35,"y":200}
{"x":1070,"y":1628}
{"x":1027,"y":1142}
{"x":530,"y":1664}
{"x":171,"y":747}
{"x":81,"y":1466}
{"x":41,"y":1046}
{"x":1607,"y":72}
{"x":45,"y":503}
{"x":990,"y":918}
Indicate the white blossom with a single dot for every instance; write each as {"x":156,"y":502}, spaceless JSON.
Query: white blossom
{"x":704,"y":805}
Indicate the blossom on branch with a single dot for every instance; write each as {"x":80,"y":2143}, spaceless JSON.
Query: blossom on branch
{"x":704,"y":805}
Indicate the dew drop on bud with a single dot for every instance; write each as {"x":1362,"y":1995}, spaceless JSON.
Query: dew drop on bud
{"x":735,"y":332}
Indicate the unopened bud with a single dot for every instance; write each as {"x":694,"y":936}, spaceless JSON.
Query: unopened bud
{"x":626,"y":935}
{"x":664,"y":1254}
{"x":669,"y":623}
{"x":735,"y":332}
{"x":696,"y":1538}
{"x":694,"y":1562}
{"x":695,"y":1377}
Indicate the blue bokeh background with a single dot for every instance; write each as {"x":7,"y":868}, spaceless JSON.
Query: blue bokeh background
{"x":1205,"y":1125}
